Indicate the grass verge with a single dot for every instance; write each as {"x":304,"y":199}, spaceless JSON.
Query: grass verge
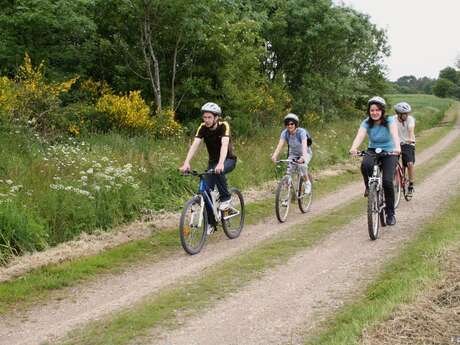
{"x":38,"y":284}
{"x":229,"y":276}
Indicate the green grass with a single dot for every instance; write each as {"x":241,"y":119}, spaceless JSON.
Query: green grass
{"x":39,"y":284}
{"x":418,"y":265}
{"x":232,"y":274}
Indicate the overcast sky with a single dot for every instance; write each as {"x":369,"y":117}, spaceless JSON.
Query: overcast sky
{"x":424,"y":35}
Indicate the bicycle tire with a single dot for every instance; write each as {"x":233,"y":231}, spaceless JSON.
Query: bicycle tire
{"x":186,"y":228}
{"x":397,"y":182}
{"x":304,"y":200}
{"x":373,"y":214}
{"x":234,"y":231}
{"x":282,"y":202}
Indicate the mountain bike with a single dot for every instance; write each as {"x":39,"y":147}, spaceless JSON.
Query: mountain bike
{"x":291,"y":187}
{"x":401,"y":184}
{"x":376,"y":197}
{"x":194,"y":220}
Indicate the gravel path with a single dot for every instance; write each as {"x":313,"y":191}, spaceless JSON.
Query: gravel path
{"x":111,"y":293}
{"x":279,"y":308}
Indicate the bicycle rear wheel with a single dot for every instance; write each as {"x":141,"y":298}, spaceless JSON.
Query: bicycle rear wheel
{"x":192,"y":233}
{"x":397,"y":186}
{"x":304,"y":199}
{"x":233,"y":217}
{"x":373,"y":216}
{"x":283,"y":199}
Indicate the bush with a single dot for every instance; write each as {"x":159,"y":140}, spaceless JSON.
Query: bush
{"x":31,"y":100}
{"x":126,"y":111}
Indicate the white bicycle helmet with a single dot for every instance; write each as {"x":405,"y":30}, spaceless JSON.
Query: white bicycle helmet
{"x":377,"y":100}
{"x":403,"y":108}
{"x":211,"y":108}
{"x":291,"y":117}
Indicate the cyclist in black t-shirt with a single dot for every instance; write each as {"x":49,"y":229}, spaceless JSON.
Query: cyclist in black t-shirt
{"x":216,"y":135}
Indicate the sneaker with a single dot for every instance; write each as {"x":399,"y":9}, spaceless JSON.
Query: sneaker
{"x":224,"y":205}
{"x":285,"y":203}
{"x":366,"y":192}
{"x":307,"y":187}
{"x":210,"y":229}
{"x":410,"y":189}
{"x":391,"y":220}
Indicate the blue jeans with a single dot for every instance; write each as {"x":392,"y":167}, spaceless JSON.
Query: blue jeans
{"x":220,"y":180}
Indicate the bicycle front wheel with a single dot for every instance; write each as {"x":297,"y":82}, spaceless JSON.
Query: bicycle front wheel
{"x":397,"y":186}
{"x":303,"y":198}
{"x":192,"y":226}
{"x":283,"y":199}
{"x":233,"y":217}
{"x":373,"y":212}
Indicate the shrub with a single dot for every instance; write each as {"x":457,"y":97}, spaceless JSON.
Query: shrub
{"x":31,"y":99}
{"x":164,"y":124}
{"x":126,"y":111}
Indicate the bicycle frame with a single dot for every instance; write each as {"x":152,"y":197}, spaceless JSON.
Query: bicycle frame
{"x":206,"y":199}
{"x":289,"y":174}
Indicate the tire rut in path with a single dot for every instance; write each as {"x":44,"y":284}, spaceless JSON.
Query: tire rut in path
{"x":292,"y":298}
{"x":111,"y":293}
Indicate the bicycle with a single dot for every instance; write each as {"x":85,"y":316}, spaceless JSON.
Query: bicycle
{"x":193,"y":224}
{"x":283,"y":194}
{"x":376,"y":197}
{"x":401,"y":183}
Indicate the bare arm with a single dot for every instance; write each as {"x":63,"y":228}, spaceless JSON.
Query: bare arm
{"x":360,"y":136}
{"x":278,"y":150}
{"x":191,"y":152}
{"x":223,"y":154}
{"x":304,"y":149}
{"x":412,"y":134}
{"x":395,"y":135}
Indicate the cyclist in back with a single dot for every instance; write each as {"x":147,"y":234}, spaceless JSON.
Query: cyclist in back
{"x":216,"y":135}
{"x":406,"y":132}
{"x":382,"y":132}
{"x":299,"y":146}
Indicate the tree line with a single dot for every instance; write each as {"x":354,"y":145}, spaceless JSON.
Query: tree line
{"x":257,"y":58}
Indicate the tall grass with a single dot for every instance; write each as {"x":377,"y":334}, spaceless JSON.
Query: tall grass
{"x":52,"y":192}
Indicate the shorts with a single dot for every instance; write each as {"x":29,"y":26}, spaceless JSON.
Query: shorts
{"x":407,"y":153}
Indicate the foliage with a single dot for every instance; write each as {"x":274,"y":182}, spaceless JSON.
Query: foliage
{"x":411,"y":84}
{"x":31,"y":99}
{"x":126,"y":111}
{"x":443,"y":87}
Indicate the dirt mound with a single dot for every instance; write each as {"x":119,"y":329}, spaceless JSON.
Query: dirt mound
{"x":433,"y":319}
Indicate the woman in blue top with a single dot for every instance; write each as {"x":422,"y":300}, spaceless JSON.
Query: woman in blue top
{"x":383,"y":133}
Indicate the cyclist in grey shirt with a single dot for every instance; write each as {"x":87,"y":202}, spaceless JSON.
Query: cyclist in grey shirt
{"x":299,"y":146}
{"x":406,"y":131}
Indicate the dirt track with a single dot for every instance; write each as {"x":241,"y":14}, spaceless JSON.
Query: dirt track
{"x":109,"y":294}
{"x":291,"y":299}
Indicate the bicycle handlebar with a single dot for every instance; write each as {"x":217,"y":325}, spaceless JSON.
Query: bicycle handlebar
{"x":382,"y":153}
{"x":290,"y":161}
{"x":196,"y":173}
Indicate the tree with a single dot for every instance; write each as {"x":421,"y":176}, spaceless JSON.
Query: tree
{"x":443,"y":87}
{"x":449,"y":73}
{"x":57,"y":32}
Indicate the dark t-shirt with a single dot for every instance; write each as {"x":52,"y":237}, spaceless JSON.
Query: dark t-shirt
{"x":213,"y":140}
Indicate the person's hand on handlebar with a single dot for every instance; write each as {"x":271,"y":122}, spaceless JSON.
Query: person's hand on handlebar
{"x":219,"y":168}
{"x":185,"y":168}
{"x":353,"y":152}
